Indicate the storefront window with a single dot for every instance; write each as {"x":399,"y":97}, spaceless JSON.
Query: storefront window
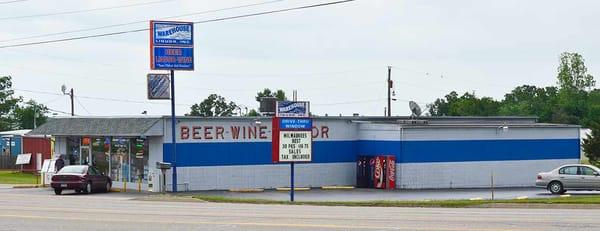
{"x":139,"y":159}
{"x":73,"y":151}
{"x":119,"y":159}
{"x":101,"y":154}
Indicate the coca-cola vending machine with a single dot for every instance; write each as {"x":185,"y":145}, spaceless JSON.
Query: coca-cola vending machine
{"x":379,"y":180}
{"x":390,"y":172}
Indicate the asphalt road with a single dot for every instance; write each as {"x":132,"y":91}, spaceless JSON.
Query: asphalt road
{"x":39,"y":209}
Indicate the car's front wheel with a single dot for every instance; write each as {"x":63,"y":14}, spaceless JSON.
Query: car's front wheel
{"x":88,"y":187}
{"x":57,"y":191}
{"x":555,"y":187}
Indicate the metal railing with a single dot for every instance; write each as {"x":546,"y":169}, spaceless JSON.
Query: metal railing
{"x":8,"y":162}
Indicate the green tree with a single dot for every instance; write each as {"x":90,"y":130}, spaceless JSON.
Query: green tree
{"x":530,"y":100}
{"x":593,"y":108}
{"x":213,"y":105}
{"x":8,"y":103}
{"x":591,"y":145}
{"x":466,"y":105}
{"x":574,"y":82}
{"x":24,"y":114}
{"x":572,"y":73}
{"x":253,"y":112}
{"x":279,"y":94}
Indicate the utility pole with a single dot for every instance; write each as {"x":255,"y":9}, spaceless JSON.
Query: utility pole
{"x":389,"y":91}
{"x":72,"y":105}
{"x":63,"y":88}
{"x":34,"y":115}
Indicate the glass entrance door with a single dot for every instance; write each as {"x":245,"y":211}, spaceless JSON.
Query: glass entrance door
{"x":85,"y":155}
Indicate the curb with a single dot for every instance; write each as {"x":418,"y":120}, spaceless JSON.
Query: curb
{"x":247,"y":190}
{"x":295,"y":189}
{"x":28,"y":186}
{"x":335,"y":187}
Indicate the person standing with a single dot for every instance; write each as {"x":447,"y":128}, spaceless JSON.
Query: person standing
{"x":59,"y":164}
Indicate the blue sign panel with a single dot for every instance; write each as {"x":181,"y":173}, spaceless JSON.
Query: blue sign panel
{"x":295,"y":123}
{"x":292,"y":109}
{"x":172,"y":33}
{"x":173,"y":58}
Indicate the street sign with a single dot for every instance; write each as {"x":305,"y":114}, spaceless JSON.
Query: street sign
{"x":158,"y":86}
{"x":295,"y":146}
{"x":292,"y":109}
{"x":295,"y":123}
{"x":171,"y":45}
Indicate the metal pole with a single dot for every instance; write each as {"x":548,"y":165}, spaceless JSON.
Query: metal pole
{"x":389,"y":94}
{"x":492,"y":182}
{"x":173,"y":140}
{"x":72,"y":105}
{"x":292,"y":182}
{"x":34,"y":114}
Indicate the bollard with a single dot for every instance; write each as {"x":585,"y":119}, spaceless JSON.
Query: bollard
{"x":139,"y":185}
{"x":492,"y":184}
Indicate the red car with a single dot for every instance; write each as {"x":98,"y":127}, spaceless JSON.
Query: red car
{"x":81,"y":178}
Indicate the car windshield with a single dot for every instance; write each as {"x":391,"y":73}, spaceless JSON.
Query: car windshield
{"x":73,"y":169}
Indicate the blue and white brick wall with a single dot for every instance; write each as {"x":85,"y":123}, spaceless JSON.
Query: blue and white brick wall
{"x":427,"y":157}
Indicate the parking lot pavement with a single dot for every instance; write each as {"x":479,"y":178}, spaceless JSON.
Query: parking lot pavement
{"x":377,"y":194}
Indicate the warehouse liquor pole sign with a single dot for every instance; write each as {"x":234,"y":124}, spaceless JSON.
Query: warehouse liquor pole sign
{"x":172,"y":48}
{"x":292,"y":136}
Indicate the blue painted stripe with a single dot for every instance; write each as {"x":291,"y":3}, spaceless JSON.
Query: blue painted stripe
{"x":472,"y":150}
{"x":256,"y":153}
{"x":252,"y":153}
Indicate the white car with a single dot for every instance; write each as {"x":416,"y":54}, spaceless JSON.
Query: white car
{"x":569,"y":177}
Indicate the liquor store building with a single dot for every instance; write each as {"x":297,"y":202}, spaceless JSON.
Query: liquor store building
{"x":235,"y":152}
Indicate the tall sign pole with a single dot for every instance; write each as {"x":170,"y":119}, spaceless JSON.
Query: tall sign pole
{"x":173,"y":136}
{"x":171,"y":48}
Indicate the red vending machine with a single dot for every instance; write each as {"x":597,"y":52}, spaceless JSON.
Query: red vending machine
{"x":390,"y":172}
{"x":379,"y":180}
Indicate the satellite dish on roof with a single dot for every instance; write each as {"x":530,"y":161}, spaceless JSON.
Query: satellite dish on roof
{"x":414,"y":107}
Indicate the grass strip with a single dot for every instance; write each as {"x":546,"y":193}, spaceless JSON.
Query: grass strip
{"x":12,"y":177}
{"x":399,"y":203}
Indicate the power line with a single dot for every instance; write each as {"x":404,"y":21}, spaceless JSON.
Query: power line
{"x":196,"y":22}
{"x":83,"y":11}
{"x":13,"y":1}
{"x":98,"y":98}
{"x":80,"y":104}
{"x":139,"y":21}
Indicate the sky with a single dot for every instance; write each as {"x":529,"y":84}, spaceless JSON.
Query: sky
{"x":335,"y":56}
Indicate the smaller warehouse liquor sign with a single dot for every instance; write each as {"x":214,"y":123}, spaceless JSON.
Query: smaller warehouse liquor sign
{"x":292,"y":109}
